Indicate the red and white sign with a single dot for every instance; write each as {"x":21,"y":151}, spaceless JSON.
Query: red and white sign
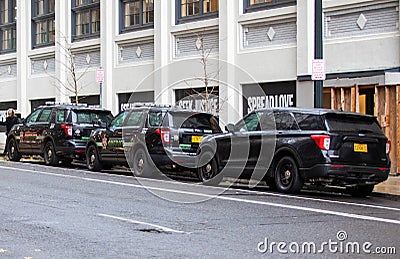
{"x":318,"y":69}
{"x":100,"y":75}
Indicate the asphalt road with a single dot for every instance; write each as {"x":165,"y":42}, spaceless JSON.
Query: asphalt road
{"x":49,"y":212}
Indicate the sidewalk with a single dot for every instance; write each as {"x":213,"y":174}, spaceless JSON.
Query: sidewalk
{"x":390,"y":186}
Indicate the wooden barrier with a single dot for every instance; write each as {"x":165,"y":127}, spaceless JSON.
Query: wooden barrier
{"x":387,"y":110}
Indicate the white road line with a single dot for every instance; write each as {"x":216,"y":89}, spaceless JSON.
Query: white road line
{"x":158,"y":227}
{"x":278,"y":205}
{"x":280,"y":195}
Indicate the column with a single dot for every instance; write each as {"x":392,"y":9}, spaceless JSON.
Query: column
{"x":162,"y":50}
{"x":230,"y":87}
{"x":63,"y":39}
{"x":23,"y":45}
{"x":108,"y":12}
{"x":305,"y":51}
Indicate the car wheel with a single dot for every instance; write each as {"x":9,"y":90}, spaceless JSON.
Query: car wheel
{"x":141,"y":164}
{"x":361,"y":190}
{"x":93,"y":162}
{"x":12,"y":152}
{"x":287,"y":177}
{"x":207,"y":170}
{"x":49,"y":154}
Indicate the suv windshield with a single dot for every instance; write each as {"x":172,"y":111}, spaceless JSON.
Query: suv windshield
{"x":199,"y":121}
{"x":352,"y":123}
{"x":91,"y":117}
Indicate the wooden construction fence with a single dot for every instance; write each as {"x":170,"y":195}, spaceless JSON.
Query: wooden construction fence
{"x":386,"y":108}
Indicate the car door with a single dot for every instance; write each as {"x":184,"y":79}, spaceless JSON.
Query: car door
{"x":132,"y":132}
{"x":40,"y":129}
{"x":245,"y":144}
{"x":27,"y":134}
{"x":112,"y":142}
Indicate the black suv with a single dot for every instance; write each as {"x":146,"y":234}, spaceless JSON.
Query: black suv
{"x":58,"y":132}
{"x":148,"y":136}
{"x":298,"y":146}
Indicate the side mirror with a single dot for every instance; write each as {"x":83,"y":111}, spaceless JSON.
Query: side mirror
{"x":230,"y":128}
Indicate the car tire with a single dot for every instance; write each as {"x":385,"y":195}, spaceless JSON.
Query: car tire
{"x":49,"y":154}
{"x":287,"y":177}
{"x":93,"y":162}
{"x":361,"y":190}
{"x":12,"y":151}
{"x":207,"y":170}
{"x":141,"y":164}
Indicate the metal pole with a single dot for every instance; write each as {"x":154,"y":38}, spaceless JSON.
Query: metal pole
{"x":318,"y":53}
{"x":101,"y":94}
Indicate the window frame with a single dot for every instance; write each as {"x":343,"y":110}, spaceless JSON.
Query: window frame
{"x":141,"y":25}
{"x":47,"y":17}
{"x":248,"y":8}
{"x":86,"y":6}
{"x":195,"y":17}
{"x":11,"y":24}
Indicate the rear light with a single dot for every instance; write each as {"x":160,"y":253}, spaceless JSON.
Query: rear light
{"x":68,"y":129}
{"x":388,"y":147}
{"x":164,"y":134}
{"x":337,"y":166}
{"x":322,"y":141}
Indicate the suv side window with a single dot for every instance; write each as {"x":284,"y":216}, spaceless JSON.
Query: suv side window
{"x":285,"y":121}
{"x":33,"y":117}
{"x":45,"y":116}
{"x":156,"y":118}
{"x":118,"y":121}
{"x":250,"y":123}
{"x":135,"y":119}
{"x":60,"y":116}
{"x":309,"y":121}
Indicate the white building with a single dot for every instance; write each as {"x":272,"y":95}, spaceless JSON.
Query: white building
{"x":269,"y":42}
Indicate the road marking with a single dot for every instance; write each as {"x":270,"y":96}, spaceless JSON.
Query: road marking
{"x":158,"y":227}
{"x":278,"y":205}
{"x":280,"y":195}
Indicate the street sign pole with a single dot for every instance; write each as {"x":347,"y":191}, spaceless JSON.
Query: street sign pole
{"x":100,"y":80}
{"x":318,"y":53}
{"x":101,"y":94}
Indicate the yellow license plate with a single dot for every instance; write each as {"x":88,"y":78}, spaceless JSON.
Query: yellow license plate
{"x":363,"y":148}
{"x":197,"y":139}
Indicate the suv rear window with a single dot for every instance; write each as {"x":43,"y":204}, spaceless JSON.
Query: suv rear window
{"x":91,"y":117}
{"x":338,"y":122}
{"x":200,"y":121}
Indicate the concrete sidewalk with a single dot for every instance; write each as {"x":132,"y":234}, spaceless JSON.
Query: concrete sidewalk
{"x":390,"y":186}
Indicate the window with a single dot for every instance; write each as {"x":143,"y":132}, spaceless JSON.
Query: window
{"x":285,"y":121}
{"x":137,"y":14}
{"x":33,"y":117}
{"x":45,"y":116}
{"x":8,"y":26}
{"x":118,"y":121}
{"x":256,"y":5}
{"x":135,"y":119}
{"x":188,"y":10}
{"x":43,"y":20}
{"x":249,"y":123}
{"x":85,"y":18}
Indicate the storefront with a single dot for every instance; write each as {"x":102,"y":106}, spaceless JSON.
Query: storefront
{"x":268,"y":95}
{"x":127,"y":100}
{"x":198,"y":99}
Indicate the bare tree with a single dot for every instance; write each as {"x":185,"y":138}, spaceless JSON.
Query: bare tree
{"x":72,"y":84}
{"x":209,"y":76}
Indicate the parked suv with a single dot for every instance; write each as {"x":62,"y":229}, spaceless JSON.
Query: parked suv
{"x":147,"y":136}
{"x":58,"y":132}
{"x":312,"y":146}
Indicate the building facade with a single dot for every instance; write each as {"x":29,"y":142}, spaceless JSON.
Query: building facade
{"x":151,"y":50}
